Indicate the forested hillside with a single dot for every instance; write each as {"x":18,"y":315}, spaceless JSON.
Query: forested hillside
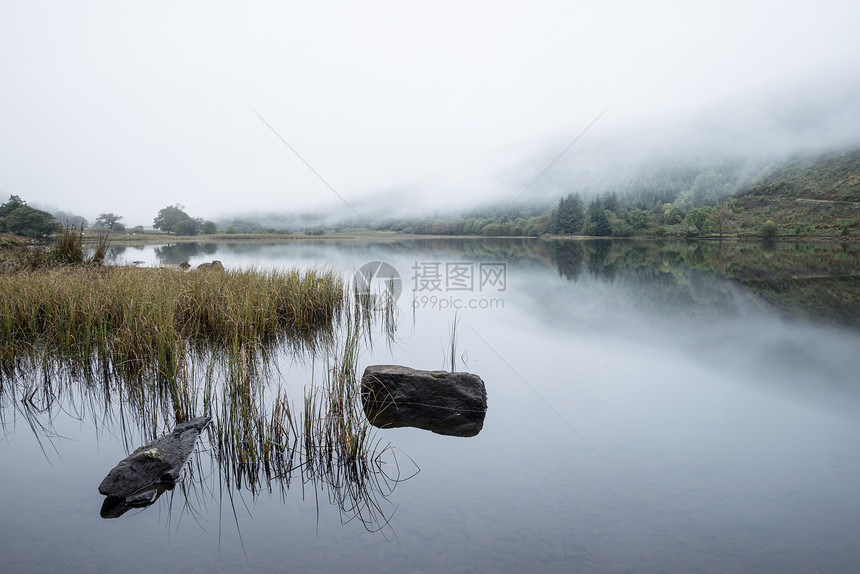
{"x":812,"y":195}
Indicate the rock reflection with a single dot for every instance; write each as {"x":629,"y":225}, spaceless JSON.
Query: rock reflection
{"x":115,"y":506}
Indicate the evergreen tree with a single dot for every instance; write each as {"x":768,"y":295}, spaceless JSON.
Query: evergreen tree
{"x":598,"y":221}
{"x":569,"y":216}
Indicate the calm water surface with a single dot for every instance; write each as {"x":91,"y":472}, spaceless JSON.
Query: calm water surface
{"x":652,"y":408}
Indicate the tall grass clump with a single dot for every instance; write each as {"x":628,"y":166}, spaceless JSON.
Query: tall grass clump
{"x":147,"y":323}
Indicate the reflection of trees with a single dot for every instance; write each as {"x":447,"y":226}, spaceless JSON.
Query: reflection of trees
{"x":811,"y":279}
{"x":569,"y":257}
{"x":597,"y":259}
{"x":115,"y":252}
{"x":176,"y":253}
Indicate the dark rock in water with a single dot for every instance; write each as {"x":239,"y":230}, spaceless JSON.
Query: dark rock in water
{"x":141,"y":477}
{"x":439,"y":401}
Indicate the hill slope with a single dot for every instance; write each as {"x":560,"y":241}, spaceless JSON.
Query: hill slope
{"x":833,"y":177}
{"x":817,"y":196}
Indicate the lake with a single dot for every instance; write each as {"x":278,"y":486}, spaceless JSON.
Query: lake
{"x":652,"y":407}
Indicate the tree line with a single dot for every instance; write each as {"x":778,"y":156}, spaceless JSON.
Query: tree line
{"x":703,"y":206}
{"x":18,"y":218}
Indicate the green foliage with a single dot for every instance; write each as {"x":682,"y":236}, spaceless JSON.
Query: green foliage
{"x":768,"y":230}
{"x":638,"y":219}
{"x":18,"y":218}
{"x":699,"y":218}
{"x":173,"y":219}
{"x":597,"y":222}
{"x":208,"y":228}
{"x":13,"y":203}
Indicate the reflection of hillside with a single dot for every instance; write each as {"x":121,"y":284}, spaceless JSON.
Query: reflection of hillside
{"x":817,"y":280}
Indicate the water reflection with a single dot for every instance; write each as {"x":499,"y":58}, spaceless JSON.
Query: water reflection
{"x":114,"y":506}
{"x":176,"y":253}
{"x":818,"y":281}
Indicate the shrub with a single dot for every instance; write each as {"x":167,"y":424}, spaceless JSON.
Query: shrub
{"x":768,"y":230}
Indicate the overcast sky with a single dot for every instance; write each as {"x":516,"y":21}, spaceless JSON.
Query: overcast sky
{"x":132,"y":106}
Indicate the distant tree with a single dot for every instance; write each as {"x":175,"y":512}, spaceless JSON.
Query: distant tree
{"x":768,"y":230}
{"x":611,"y":202}
{"x":108,"y":221}
{"x":699,"y":217}
{"x":173,"y":219}
{"x":720,"y":219}
{"x":29,"y":222}
{"x":208,"y":228}
{"x":70,"y":220}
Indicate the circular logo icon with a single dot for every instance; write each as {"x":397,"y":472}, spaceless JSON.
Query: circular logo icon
{"x":379,"y":277}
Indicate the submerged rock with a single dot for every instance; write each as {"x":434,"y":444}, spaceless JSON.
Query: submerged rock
{"x":442,"y":402}
{"x":142,"y":476}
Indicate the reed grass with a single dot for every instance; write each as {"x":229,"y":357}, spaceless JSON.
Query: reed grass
{"x":144,"y":322}
{"x":340,"y":446}
{"x":159,"y":346}
{"x":452,"y":342}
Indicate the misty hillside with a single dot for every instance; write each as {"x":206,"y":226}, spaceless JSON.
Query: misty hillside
{"x":803,"y":195}
{"x":807,"y":196}
{"x":832,"y":177}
